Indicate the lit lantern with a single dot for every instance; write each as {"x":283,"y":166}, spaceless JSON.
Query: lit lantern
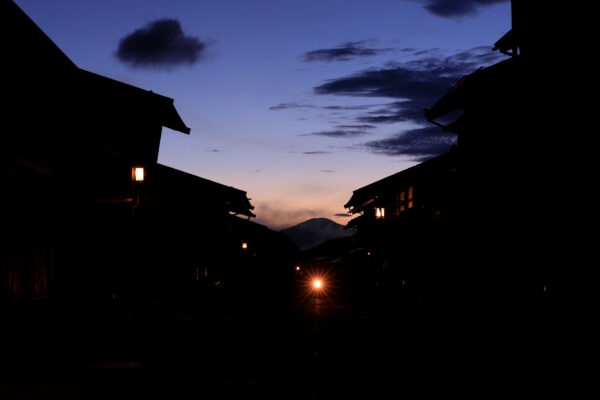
{"x":138,"y":174}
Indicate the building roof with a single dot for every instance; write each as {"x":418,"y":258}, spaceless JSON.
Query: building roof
{"x":367,"y":194}
{"x":507,"y":43}
{"x":478,"y":88}
{"x":39,"y":67}
{"x":27,"y":44}
{"x":109,"y":90}
{"x":172,"y":182}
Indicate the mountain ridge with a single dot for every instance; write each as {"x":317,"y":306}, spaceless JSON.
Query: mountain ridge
{"x":314,"y":231}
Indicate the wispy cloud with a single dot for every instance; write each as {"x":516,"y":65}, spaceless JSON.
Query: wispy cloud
{"x":416,"y":85}
{"x":316,"y":152}
{"x":292,"y":105}
{"x":362,"y":127}
{"x":342,"y":215}
{"x":457,"y":8}
{"x":344,"y":52}
{"x":420,"y":144}
{"x":160,"y":44}
{"x":287,"y":106}
{"x":338,"y":133}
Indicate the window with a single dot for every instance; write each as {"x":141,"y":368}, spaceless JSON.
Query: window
{"x":379,"y":212}
{"x":404,"y":200}
{"x":138,"y":174}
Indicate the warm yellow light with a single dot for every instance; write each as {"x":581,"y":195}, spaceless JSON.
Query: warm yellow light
{"x":297,"y":268}
{"x":244,"y":245}
{"x":317,"y":283}
{"x":380,"y":212}
{"x":139,"y":174}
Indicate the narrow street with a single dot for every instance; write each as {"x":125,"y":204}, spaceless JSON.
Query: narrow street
{"x":300,"y":349}
{"x":303,"y":346}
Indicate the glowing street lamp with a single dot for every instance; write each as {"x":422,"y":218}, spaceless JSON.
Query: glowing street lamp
{"x":317,"y":284}
{"x":138,"y":174}
{"x":245,"y":245}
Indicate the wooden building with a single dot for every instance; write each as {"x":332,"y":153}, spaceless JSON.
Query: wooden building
{"x":71,"y":141}
{"x":487,"y":234}
{"x":194,"y":234}
{"x":88,"y":213}
{"x":403,"y":225}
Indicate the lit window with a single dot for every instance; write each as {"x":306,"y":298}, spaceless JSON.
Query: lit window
{"x":380,"y":212}
{"x":404,"y":201}
{"x":138,"y":174}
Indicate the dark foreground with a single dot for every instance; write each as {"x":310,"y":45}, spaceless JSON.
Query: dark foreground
{"x":294,"y":346}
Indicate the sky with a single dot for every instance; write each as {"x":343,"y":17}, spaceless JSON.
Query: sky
{"x":298,"y":103}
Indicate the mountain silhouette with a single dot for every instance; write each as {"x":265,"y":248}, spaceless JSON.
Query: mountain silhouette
{"x":315,"y":231}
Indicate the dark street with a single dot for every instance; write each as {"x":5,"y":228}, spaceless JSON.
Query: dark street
{"x":296,"y":348}
{"x":302,"y":346}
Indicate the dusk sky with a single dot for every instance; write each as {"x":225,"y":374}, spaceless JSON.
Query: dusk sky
{"x":297,"y":103}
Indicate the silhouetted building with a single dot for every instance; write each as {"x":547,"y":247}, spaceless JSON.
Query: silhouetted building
{"x":403,"y":225}
{"x":72,"y":139}
{"x":497,"y":237}
{"x":189,"y":232}
{"x":506,"y":170}
{"x":88,"y":213}
{"x":419,"y":193}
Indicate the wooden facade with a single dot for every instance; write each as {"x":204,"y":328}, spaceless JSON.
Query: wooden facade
{"x":82,"y":227}
{"x":485,"y":234}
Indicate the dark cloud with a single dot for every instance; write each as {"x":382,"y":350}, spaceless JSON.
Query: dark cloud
{"x":419,"y":88}
{"x":287,"y":106}
{"x":362,"y":127}
{"x":339,"y":133}
{"x":427,"y":76}
{"x":400,"y":111}
{"x":346,"y":108}
{"x":160,"y":44}
{"x":417,"y":85}
{"x":316,"y":152}
{"x":345,"y":52}
{"x":342,"y":215}
{"x":421,"y":144}
{"x":457,"y":8}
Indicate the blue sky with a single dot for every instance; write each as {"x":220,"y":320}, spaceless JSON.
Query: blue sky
{"x":297,"y":103}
